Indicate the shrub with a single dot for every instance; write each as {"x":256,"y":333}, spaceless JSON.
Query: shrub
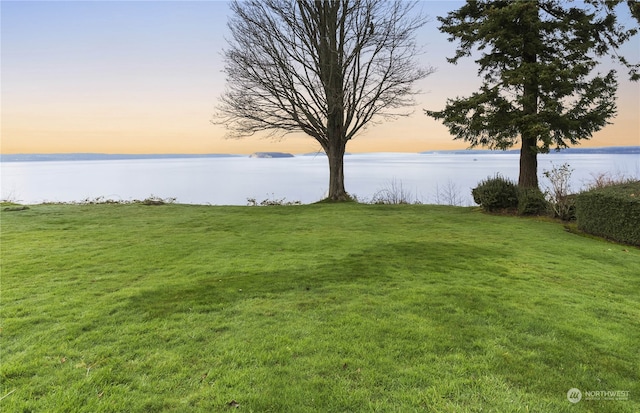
{"x":156,"y":200}
{"x":496,"y":193}
{"x":394,"y":194}
{"x":562,"y":203}
{"x":273,"y":201}
{"x":606,"y":179}
{"x":612,"y":212}
{"x":531,"y":201}
{"x":449,"y":194}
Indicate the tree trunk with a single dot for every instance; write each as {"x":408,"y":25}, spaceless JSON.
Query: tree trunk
{"x":528,"y":163}
{"x":335,"y":154}
{"x":330,"y":64}
{"x":529,"y":153}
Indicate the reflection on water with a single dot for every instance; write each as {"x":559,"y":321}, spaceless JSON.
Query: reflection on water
{"x":230,"y":181}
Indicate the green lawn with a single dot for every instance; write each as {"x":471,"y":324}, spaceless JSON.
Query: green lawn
{"x":317,"y":308}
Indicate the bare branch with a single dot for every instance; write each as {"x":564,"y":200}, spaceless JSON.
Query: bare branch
{"x":292,"y":63}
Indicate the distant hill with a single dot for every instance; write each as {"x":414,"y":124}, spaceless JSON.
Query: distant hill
{"x":611,"y":150}
{"x":606,"y":150}
{"x":270,"y":155}
{"x":34,"y":157}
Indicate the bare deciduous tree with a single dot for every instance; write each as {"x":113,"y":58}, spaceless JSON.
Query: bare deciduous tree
{"x":325,"y":68}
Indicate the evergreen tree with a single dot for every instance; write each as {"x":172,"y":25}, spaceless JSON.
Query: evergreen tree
{"x":537,"y":63}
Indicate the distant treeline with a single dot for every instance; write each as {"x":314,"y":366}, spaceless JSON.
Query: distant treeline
{"x":611,"y":150}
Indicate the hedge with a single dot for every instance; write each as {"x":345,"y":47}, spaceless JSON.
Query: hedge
{"x":612,"y":212}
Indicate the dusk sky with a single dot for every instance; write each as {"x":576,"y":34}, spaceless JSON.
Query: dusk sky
{"x":145,"y":77}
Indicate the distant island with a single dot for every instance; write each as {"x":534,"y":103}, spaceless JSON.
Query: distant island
{"x":270,"y":155}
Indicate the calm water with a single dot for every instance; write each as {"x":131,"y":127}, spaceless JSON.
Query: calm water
{"x":231,"y":181}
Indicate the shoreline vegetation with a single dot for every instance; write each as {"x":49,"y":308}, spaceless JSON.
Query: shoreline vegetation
{"x":267,"y":155}
{"x":341,"y":307}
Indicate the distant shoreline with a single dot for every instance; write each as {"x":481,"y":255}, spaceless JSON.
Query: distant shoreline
{"x":44,"y":157}
{"x":611,"y":150}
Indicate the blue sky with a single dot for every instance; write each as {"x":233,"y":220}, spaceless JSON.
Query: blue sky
{"x":144,"y":76}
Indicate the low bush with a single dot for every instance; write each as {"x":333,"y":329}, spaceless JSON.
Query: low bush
{"x":273,"y":201}
{"x":564,"y":207}
{"x":531,"y":201}
{"x":605,"y":179}
{"x":155,"y":200}
{"x":558,"y":192}
{"x":394,"y":193}
{"x":612,"y":212}
{"x":495,"y":193}
{"x":101,"y":200}
{"x":448,"y":194}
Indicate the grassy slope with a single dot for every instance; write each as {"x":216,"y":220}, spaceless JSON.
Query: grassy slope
{"x":311,"y":308}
